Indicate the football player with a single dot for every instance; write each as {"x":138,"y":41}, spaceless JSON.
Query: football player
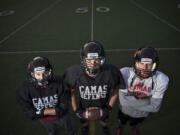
{"x":145,"y":88}
{"x":43,"y":98}
{"x":95,"y":83}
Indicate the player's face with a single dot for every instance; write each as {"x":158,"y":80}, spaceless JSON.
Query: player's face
{"x":93,"y":63}
{"x":41,"y":75}
{"x":145,"y":68}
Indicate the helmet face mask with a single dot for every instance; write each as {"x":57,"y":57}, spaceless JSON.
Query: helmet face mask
{"x":92,"y":64}
{"x":41,"y":77}
{"x":92,"y":57}
{"x":146,"y":62}
{"x":144,"y":70}
{"x":40,"y":71}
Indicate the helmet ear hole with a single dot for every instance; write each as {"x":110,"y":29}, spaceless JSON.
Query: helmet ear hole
{"x":50,"y":72}
{"x":136,"y":65}
{"x":32,"y":74}
{"x":153,"y":67}
{"x":102,"y":61}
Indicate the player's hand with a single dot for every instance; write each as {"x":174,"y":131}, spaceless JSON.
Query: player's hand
{"x":40,"y":113}
{"x":79,"y":114}
{"x":106,"y":111}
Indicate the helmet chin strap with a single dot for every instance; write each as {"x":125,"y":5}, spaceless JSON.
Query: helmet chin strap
{"x":42,"y":83}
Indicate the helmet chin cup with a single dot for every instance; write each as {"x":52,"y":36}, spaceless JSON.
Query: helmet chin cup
{"x":92,"y":71}
{"x":43,"y":83}
{"x":145,"y":74}
{"x":40,"y":83}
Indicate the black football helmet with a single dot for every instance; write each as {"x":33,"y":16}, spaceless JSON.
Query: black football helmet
{"x":40,"y":64}
{"x":146,"y":55}
{"x":92,"y":51}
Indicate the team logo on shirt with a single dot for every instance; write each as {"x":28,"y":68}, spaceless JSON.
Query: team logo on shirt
{"x":140,"y":91}
{"x":93,"y":92}
{"x":45,"y":102}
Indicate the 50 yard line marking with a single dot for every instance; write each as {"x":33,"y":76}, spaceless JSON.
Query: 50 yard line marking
{"x":29,"y":21}
{"x":92,"y":123}
{"x":92,"y":20}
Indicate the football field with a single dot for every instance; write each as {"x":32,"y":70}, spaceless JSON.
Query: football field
{"x":58,"y":28}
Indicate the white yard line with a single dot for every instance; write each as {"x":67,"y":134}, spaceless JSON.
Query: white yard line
{"x":154,"y":15}
{"x":92,"y":20}
{"x":29,"y":21}
{"x":77,"y":51}
{"x":31,"y":52}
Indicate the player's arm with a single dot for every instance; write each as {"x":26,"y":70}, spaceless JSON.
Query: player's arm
{"x":62,"y":105}
{"x":108,"y":107}
{"x":63,"y":99}
{"x":73,"y":100}
{"x":154,"y":105}
{"x":113,"y":98}
{"x":70,"y":81}
{"x":50,"y":111}
{"x":26,"y":104}
{"x":157,"y":97}
{"x":117,"y":83}
{"x":126,"y":100}
{"x":149,"y":104}
{"x":77,"y":110}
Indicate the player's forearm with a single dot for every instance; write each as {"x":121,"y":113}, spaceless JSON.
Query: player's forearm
{"x":154,"y":106}
{"x":73,"y":101}
{"x":131,"y":100}
{"x":133,"y":104}
{"x":50,"y":111}
{"x":113,"y":99}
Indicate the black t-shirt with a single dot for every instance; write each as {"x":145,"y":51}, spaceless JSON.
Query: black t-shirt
{"x":33,"y":99}
{"x":93,"y":92}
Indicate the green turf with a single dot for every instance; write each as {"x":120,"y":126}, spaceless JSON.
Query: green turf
{"x":60,"y":28}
